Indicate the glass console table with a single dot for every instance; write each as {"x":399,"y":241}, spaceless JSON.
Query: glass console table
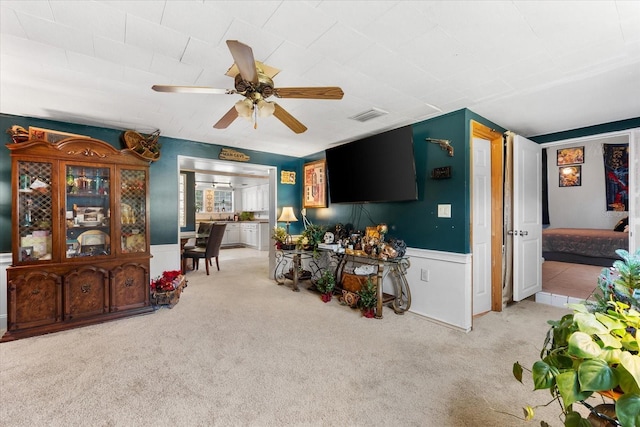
{"x":297,"y":265}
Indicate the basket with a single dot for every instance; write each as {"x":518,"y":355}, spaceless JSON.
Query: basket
{"x":169,"y":298}
{"x":353,"y":282}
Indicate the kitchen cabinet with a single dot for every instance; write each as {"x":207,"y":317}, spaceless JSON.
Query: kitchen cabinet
{"x":249,"y":234}
{"x":80,"y":236}
{"x":231,"y":234}
{"x":255,"y":199}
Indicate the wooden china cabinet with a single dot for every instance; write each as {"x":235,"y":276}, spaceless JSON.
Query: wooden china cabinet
{"x":80,"y":236}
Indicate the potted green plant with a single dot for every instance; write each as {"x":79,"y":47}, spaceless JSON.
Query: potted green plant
{"x":595,"y":349}
{"x":311,"y":237}
{"x":368,"y":298}
{"x":326,"y":284}
{"x":280,"y":236}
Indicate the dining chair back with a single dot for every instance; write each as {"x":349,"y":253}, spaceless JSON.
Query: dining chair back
{"x":211,"y":250}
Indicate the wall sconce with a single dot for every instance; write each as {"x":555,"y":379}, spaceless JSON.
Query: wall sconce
{"x":445,"y":144}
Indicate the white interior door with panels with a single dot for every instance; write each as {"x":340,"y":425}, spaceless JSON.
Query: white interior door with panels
{"x":481,"y":221}
{"x":526,"y":234}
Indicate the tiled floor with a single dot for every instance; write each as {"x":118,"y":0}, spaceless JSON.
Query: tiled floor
{"x":573,"y":280}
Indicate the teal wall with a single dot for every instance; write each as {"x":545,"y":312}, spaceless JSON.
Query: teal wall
{"x":416,"y":222}
{"x":163,"y":174}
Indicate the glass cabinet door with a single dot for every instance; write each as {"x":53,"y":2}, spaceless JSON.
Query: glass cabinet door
{"x":133,"y":212}
{"x":34,"y":210}
{"x":87,"y":219}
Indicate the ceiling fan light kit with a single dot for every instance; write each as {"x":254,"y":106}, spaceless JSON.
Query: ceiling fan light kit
{"x":254,"y":80}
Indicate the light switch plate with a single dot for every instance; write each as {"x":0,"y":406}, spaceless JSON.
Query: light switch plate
{"x":444,"y":211}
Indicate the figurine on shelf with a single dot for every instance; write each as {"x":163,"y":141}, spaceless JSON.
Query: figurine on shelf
{"x":18,"y":133}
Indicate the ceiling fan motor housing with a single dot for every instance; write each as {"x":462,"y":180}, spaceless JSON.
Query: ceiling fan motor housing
{"x":263,"y":89}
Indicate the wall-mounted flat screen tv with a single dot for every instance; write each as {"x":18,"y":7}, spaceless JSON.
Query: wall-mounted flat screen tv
{"x":379,"y":168}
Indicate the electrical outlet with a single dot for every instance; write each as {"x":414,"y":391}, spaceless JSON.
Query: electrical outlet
{"x":424,"y":275}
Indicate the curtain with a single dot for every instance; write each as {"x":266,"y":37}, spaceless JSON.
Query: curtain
{"x":545,"y":189}
{"x":507,"y":259}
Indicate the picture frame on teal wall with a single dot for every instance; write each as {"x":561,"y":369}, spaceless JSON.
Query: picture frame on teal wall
{"x":315,"y":185}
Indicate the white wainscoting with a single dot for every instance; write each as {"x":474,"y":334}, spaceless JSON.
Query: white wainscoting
{"x":447,"y":296}
{"x":165,"y":257}
{"x":5,"y":261}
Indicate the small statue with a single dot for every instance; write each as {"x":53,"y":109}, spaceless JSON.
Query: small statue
{"x":18,"y":133}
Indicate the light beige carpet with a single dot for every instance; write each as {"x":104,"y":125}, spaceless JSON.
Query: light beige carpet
{"x":239,"y":350}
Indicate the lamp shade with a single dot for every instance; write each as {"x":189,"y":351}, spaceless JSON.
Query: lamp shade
{"x":287,"y":215}
{"x":244,"y":107}
{"x":265,"y":109}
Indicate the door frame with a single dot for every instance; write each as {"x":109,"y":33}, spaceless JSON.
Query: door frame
{"x":495,"y":138}
{"x":634,"y":179}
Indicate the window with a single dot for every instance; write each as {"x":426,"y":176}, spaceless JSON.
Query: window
{"x":209,"y":200}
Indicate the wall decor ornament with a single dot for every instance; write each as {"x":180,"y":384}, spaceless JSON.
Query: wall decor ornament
{"x":570,"y":156}
{"x":51,"y":136}
{"x":145,"y":147}
{"x":315,"y":185}
{"x":287,"y":177}
{"x":616,"y":170}
{"x":570,"y":176}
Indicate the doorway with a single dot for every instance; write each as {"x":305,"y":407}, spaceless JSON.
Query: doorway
{"x":238,"y":176}
{"x":585,"y":206}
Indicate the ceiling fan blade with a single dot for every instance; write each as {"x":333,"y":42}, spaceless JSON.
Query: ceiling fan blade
{"x":192,"y":89}
{"x":290,"y":121}
{"x":329,"y":92}
{"x":243,"y":57}
{"x":227,"y":119}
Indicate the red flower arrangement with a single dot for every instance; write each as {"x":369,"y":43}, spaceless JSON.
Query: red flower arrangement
{"x":166,"y":282}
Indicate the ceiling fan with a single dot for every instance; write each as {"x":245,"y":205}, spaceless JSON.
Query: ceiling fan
{"x":254,"y":80}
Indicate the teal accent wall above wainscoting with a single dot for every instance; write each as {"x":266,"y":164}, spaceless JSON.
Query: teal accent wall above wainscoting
{"x":417,"y":222}
{"x":163,"y":174}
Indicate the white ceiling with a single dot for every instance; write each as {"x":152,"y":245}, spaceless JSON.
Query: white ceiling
{"x":530,"y":66}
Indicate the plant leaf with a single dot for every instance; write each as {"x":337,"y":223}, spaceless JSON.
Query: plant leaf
{"x":517,"y":371}
{"x":569,"y":388}
{"x":589,"y":324}
{"x":628,"y":410}
{"x":631,"y":363}
{"x":627,"y":382}
{"x":528,"y":413}
{"x":596,"y":375}
{"x":574,"y":419}
{"x":583,"y":346}
{"x":609,"y":342}
{"x":609,"y":322}
{"x":611,"y":356}
{"x":543,"y":375}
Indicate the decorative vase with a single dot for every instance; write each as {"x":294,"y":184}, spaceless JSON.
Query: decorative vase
{"x":326,"y":297}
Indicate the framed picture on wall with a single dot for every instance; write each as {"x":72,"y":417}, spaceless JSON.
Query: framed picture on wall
{"x":315,"y":185}
{"x":570,"y":156}
{"x":570,"y":176}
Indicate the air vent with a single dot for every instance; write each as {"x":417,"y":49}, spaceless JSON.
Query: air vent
{"x":368,"y":115}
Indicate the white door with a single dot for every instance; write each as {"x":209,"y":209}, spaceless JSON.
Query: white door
{"x":527,"y":218}
{"x":481,"y":225}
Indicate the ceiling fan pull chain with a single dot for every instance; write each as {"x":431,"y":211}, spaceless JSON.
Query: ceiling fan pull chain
{"x":255,"y":117}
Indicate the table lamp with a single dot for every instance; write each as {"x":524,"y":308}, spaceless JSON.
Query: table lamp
{"x":287,"y":216}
